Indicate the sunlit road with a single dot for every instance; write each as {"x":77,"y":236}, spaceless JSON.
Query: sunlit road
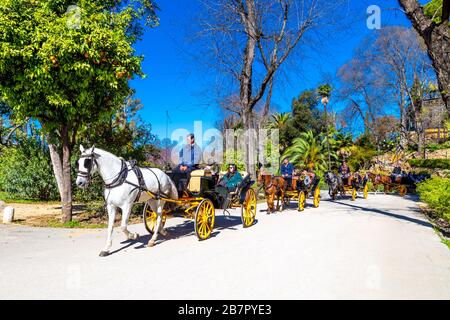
{"x":379,"y":248}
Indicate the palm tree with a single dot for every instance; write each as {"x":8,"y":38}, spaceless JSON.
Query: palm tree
{"x":308,"y":151}
{"x":343,"y":143}
{"x":279,"y":120}
{"x":324,"y":90}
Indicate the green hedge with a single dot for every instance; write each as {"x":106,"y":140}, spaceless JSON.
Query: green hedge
{"x":438,"y":146}
{"x":430,"y":163}
{"x":436,"y":193}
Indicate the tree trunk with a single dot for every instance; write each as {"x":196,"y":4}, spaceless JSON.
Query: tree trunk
{"x":436,"y":38}
{"x":245,"y":80}
{"x":420,"y":131}
{"x":251,"y":143}
{"x":267,"y":103}
{"x":403,"y":124}
{"x":61,"y":167}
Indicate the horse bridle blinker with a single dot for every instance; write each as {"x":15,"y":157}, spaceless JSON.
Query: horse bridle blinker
{"x":88,"y":166}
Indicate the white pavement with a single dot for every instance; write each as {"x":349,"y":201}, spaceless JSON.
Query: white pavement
{"x":379,"y":248}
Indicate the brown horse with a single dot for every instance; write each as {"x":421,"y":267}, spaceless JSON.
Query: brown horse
{"x":274,"y":186}
{"x":378,"y":179}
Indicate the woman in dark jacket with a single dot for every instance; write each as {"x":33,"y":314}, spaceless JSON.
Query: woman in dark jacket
{"x":229,"y":182}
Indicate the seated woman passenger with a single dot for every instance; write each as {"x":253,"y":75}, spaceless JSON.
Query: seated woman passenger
{"x":308,"y":176}
{"x":229,"y":181}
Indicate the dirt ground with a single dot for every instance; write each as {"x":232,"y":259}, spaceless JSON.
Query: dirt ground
{"x":26,"y":210}
{"x":49,"y":215}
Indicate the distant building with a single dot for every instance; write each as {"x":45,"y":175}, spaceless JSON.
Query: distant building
{"x":433,"y":117}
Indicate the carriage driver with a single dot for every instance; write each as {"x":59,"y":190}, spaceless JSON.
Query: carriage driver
{"x":228,"y":182}
{"x":396,"y":175}
{"x":287,"y":169}
{"x":190,"y":155}
{"x":344,"y":172}
{"x":189,"y":158}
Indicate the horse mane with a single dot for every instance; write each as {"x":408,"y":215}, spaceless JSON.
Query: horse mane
{"x":102,"y":152}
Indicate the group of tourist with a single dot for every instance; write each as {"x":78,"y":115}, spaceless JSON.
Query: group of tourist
{"x":190,"y":158}
{"x":288,"y":172}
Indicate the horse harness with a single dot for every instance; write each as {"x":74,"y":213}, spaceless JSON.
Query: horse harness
{"x":271,"y":184}
{"x":121,"y":177}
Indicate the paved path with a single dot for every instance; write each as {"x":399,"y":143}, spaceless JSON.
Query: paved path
{"x":375,"y":248}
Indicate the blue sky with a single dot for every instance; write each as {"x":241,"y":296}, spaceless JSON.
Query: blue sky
{"x":179,"y":85}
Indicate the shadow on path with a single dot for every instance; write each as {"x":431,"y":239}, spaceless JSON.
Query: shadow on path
{"x":184,"y":229}
{"x":390,"y":214}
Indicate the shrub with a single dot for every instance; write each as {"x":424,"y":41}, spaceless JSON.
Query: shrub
{"x":438,"y":146}
{"x":436,"y":193}
{"x":26,"y":172}
{"x":360,"y":157}
{"x":430,"y":163}
{"x":236,"y":157}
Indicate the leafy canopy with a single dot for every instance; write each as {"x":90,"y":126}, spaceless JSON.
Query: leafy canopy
{"x":433,"y":10}
{"x":66,"y":68}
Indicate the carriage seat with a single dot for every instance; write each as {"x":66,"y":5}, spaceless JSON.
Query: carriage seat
{"x":196,"y":179}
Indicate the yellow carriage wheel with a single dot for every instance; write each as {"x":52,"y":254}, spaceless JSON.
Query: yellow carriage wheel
{"x":248,"y":209}
{"x":316,"y":197}
{"x":150,"y":217}
{"x":301,"y":201}
{"x":366,"y":191}
{"x":402,"y":190}
{"x":354,"y":194}
{"x":204,"y":219}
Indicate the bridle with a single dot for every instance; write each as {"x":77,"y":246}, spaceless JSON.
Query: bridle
{"x":330,"y":177}
{"x":87,"y":174}
{"x":118,"y":180}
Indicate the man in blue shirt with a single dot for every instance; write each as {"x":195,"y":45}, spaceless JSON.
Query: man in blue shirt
{"x":287,"y":169}
{"x":190,"y":157}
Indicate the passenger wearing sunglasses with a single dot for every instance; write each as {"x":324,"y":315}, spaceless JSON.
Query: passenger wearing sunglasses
{"x":229,"y":182}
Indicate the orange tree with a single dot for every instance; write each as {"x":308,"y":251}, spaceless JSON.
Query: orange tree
{"x":69,"y":66}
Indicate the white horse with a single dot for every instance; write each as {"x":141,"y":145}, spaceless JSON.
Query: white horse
{"x":122,"y":189}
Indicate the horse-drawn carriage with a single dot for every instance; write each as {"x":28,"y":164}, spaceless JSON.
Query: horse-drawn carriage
{"x":402,"y":183}
{"x":200,"y":199}
{"x":125,"y":184}
{"x":301,"y":188}
{"x":352,"y":184}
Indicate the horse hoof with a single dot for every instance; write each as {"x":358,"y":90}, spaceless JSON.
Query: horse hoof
{"x":132,"y":236}
{"x":151,"y":244}
{"x":104,"y":254}
{"x":163,"y":233}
